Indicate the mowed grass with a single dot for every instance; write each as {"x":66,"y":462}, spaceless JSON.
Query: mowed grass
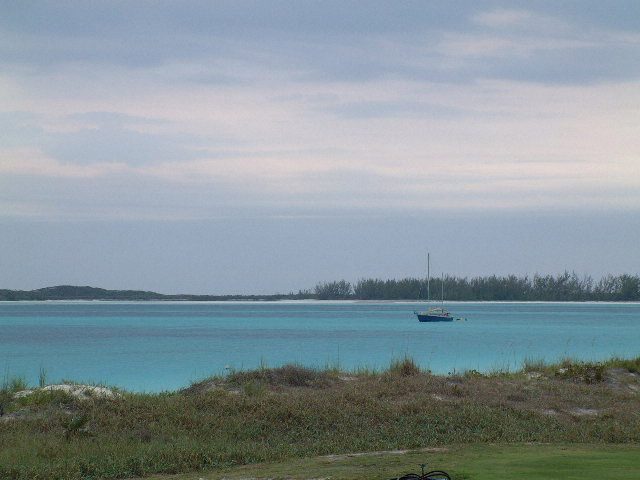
{"x":463,"y":462}
{"x":292,"y":412}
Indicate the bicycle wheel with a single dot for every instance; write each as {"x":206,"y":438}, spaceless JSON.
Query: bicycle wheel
{"x":436,"y":475}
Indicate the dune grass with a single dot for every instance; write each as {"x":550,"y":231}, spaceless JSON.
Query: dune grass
{"x":278,"y":414}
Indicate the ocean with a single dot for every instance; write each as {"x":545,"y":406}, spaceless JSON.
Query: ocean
{"x":157,"y":346}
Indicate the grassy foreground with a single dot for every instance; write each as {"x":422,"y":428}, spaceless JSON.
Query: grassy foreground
{"x":467,"y":462}
{"x":292,"y":412}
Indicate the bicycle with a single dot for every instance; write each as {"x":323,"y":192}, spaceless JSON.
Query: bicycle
{"x":432,"y":475}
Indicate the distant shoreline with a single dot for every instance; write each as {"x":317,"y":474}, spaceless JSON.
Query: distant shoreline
{"x":314,"y":300}
{"x":562,"y":288}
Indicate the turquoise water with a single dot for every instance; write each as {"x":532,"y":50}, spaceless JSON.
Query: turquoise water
{"x":155,"y":346}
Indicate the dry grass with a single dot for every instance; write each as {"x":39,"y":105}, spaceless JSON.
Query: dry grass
{"x":293,"y":411}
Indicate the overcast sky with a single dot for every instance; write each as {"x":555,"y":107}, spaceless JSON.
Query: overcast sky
{"x":262,"y":146}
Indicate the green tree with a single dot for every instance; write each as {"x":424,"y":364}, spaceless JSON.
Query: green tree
{"x":333,"y":290}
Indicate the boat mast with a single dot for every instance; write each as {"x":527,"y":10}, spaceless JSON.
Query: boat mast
{"x":428,"y":276}
{"x":442,"y":284}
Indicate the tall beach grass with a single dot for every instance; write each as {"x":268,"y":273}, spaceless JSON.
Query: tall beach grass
{"x":270,"y":414}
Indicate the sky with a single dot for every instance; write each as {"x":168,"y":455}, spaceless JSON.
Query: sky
{"x":264,"y":146}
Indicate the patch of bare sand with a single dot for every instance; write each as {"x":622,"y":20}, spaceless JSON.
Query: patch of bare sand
{"x":384,"y":452}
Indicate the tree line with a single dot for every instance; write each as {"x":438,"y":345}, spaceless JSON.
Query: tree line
{"x":562,"y":287}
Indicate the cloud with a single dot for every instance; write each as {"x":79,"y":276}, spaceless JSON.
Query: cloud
{"x":113,"y":142}
{"x":228,"y":44}
{"x":391,"y":109}
{"x":404,"y":138}
{"x":33,"y":162}
{"x":502,"y":18}
{"x":99,"y":138}
{"x":317,"y":105}
{"x":480,"y":45}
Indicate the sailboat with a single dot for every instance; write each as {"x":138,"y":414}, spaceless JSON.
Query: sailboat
{"x":435,"y":314}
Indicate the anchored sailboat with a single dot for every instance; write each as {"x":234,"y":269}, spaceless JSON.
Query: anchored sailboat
{"x":436,"y":314}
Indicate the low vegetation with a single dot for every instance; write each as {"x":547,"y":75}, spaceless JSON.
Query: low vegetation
{"x":72,"y":292}
{"x":563,"y":287}
{"x":276,"y":414}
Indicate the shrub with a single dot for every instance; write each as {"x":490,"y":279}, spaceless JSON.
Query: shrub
{"x":631,"y":365}
{"x":290,"y":375}
{"x":404,"y":367}
{"x":588,"y":372}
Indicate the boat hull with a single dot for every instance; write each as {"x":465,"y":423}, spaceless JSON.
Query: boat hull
{"x":430,"y":317}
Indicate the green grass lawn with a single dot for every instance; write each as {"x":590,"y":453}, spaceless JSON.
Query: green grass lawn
{"x":471,"y":462}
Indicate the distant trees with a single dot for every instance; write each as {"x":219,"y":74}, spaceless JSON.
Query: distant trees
{"x":563,"y":287}
{"x":376,"y":289}
{"x":340,"y":290}
{"x":623,"y":288}
{"x":566,"y":286}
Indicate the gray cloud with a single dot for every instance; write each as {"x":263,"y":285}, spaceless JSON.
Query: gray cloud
{"x":318,"y":40}
{"x":18,"y":129}
{"x":390,"y":109}
{"x":571,"y":66}
{"x":264,"y":103}
{"x":100,"y":137}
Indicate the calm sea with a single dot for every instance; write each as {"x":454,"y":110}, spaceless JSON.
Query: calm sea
{"x":155,"y":346}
